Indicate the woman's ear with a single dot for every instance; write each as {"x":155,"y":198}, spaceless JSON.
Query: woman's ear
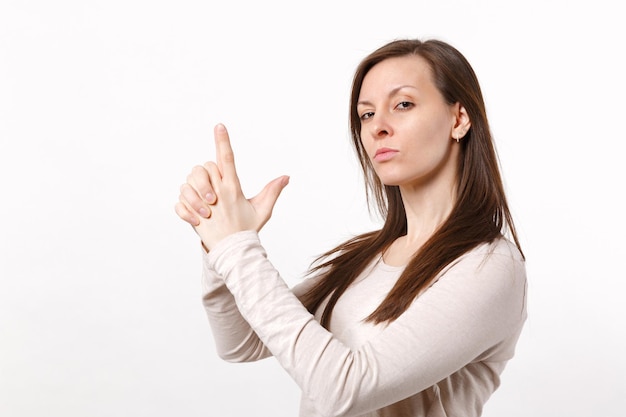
{"x":462,"y":122}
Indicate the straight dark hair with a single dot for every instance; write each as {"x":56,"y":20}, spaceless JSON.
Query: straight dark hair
{"x":480,"y":213}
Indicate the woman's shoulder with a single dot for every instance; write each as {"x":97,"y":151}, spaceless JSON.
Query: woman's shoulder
{"x":498,"y":256}
{"x":500,"y":246}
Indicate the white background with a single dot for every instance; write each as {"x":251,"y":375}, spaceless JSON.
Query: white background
{"x":106,"y":105}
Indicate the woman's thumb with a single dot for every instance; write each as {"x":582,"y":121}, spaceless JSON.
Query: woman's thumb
{"x":264,"y":202}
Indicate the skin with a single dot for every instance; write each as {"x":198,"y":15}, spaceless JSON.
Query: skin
{"x":401,"y":110}
{"x":229,"y":211}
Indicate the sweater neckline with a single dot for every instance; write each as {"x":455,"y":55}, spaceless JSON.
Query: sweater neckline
{"x":381,"y":264}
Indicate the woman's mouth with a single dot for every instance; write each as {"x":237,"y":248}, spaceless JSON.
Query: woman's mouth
{"x":384,"y":154}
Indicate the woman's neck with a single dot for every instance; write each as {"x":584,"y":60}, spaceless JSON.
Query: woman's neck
{"x":426,"y":211}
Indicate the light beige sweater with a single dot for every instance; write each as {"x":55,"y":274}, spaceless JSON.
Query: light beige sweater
{"x":441,"y":358}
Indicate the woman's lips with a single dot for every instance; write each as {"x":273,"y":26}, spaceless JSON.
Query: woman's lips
{"x":384,"y":154}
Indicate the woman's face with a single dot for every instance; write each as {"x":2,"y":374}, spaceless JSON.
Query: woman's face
{"x":406,"y":125}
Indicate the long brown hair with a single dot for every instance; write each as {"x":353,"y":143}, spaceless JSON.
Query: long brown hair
{"x":480,"y":213}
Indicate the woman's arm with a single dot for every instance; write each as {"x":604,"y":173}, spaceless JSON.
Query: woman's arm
{"x":202,"y":197}
{"x":478,"y":304}
{"x":235,"y":340}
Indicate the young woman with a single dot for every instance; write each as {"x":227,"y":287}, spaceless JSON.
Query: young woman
{"x":418,"y":318}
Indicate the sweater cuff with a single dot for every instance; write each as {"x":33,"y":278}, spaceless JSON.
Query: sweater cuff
{"x":222,"y":258}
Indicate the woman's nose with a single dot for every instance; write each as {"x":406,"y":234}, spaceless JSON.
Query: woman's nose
{"x":381,"y":126}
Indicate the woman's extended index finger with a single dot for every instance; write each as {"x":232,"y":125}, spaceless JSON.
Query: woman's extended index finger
{"x":224,"y":153}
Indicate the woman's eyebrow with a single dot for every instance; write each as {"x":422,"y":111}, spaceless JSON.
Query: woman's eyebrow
{"x":393,"y":92}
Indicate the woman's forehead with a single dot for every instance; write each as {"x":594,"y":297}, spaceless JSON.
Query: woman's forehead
{"x":396,"y":74}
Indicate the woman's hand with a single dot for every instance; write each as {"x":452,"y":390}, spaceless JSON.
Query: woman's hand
{"x":212,"y":201}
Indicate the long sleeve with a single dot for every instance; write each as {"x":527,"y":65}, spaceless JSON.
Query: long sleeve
{"x":235,"y":340}
{"x":477,"y":306}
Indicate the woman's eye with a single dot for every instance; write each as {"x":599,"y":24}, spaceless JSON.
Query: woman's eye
{"x":367,"y":115}
{"x":403,"y":105}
